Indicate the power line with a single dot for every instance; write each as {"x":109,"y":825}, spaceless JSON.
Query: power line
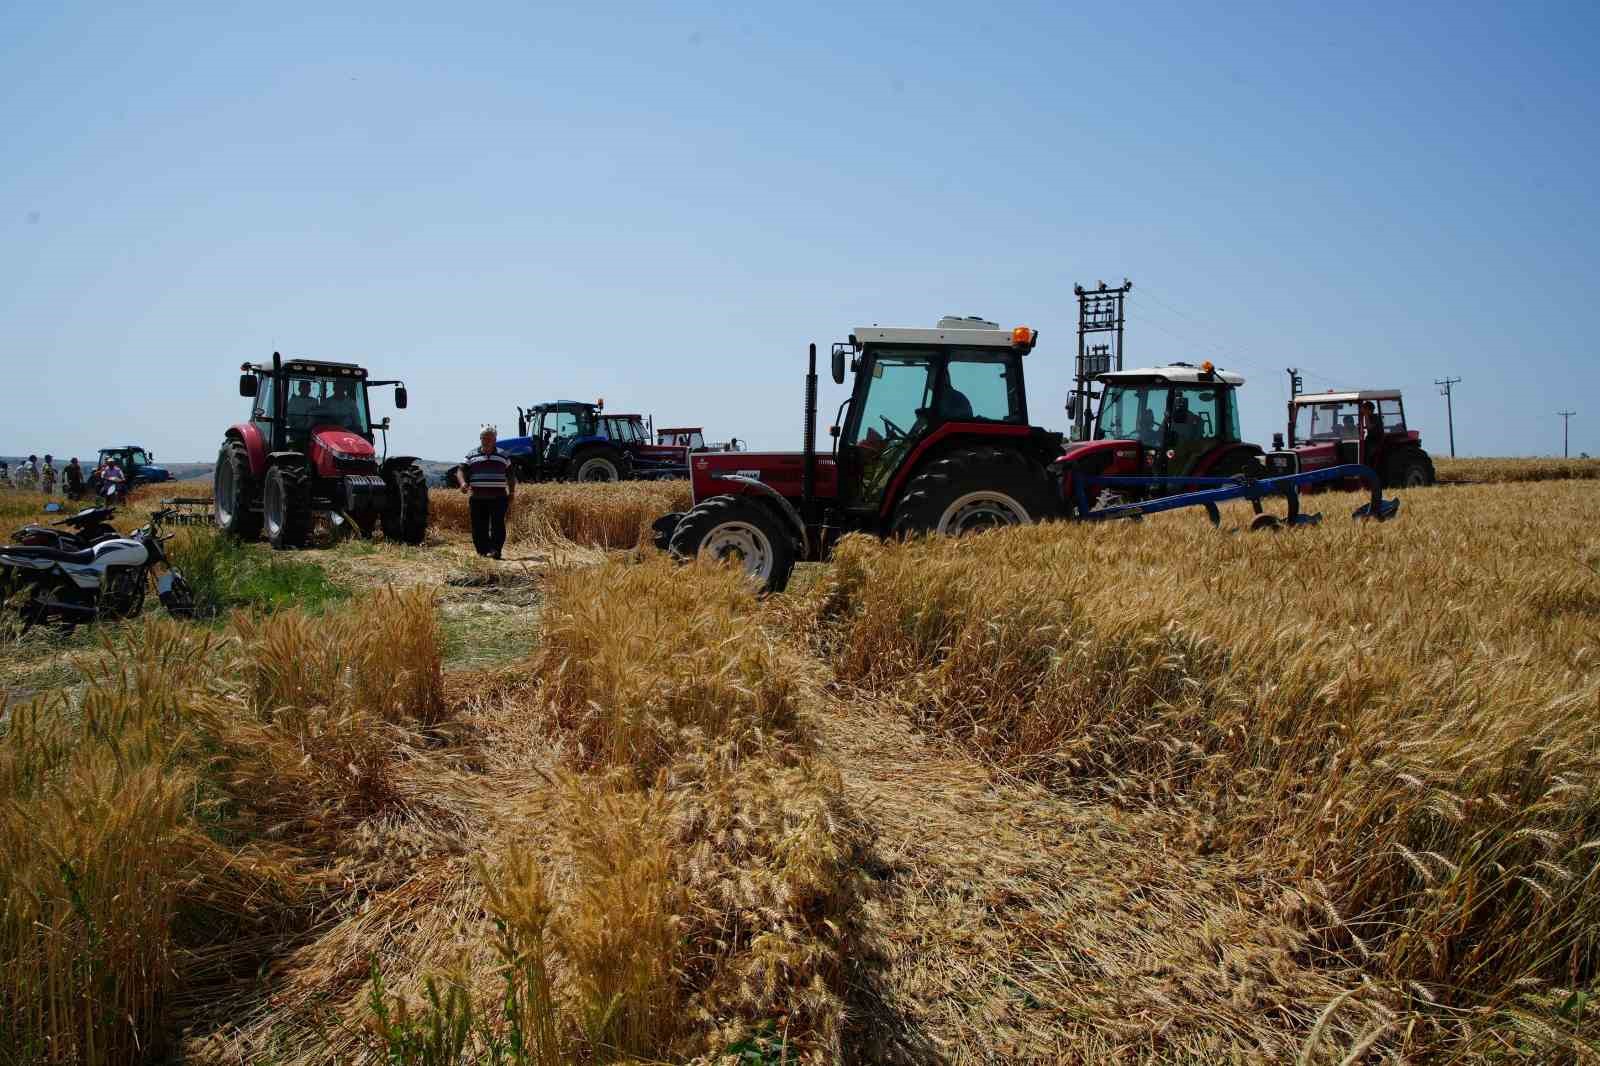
{"x":1566,"y":419}
{"x":1449,"y":408}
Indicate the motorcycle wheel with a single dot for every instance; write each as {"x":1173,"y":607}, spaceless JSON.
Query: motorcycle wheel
{"x":35,"y":609}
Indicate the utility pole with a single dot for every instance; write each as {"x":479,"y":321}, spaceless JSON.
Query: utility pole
{"x":1100,"y":310}
{"x":1566,"y":419}
{"x":1449,"y":408}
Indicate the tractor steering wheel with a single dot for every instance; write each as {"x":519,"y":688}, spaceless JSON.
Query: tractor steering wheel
{"x":891,"y":431}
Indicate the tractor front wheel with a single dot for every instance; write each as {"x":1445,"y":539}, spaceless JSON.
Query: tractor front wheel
{"x":405,"y":520}
{"x":234,"y":494}
{"x":1408,"y":469}
{"x":286,"y":506}
{"x":971,"y":490}
{"x":737,"y":530}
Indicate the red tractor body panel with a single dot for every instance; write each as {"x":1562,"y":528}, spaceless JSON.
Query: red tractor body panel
{"x":1127,"y":458}
{"x":782,"y":471}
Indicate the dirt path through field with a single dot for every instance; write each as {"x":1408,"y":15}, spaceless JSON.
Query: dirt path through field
{"x":1015,"y":925}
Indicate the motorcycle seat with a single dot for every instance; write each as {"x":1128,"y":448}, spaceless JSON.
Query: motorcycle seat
{"x":24,"y":551}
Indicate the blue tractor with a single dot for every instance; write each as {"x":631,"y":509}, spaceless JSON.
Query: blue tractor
{"x":566,"y":441}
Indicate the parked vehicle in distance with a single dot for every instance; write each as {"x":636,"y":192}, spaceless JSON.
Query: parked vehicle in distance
{"x":694,"y":439}
{"x":307,"y":452}
{"x":138,"y":466}
{"x":647,"y":461}
{"x":1332,"y":428}
{"x":565,"y":441}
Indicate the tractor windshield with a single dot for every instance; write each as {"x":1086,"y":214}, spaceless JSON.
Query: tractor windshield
{"x":1133,"y":412}
{"x":1319,"y":423}
{"x":569,"y":423}
{"x":315,"y":400}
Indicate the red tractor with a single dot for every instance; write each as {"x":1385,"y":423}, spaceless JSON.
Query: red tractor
{"x":1367,"y":427}
{"x":1178,"y":421}
{"x":307,"y":451}
{"x":934,"y":438}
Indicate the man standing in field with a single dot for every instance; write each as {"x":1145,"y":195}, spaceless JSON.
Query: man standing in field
{"x":487,"y":478}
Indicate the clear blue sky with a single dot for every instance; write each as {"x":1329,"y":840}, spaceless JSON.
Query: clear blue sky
{"x":662,"y":205}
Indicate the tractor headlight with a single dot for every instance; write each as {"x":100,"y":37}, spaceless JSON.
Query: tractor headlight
{"x":343,"y":457}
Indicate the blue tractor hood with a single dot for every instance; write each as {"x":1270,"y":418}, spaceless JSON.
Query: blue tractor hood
{"x":515,"y":445}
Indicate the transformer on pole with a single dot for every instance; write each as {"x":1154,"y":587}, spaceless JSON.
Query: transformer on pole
{"x":1100,"y":310}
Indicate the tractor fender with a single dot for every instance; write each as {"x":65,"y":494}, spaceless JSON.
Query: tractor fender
{"x":784,"y":508}
{"x":941,"y":438}
{"x":398,"y":460}
{"x":255,"y":446}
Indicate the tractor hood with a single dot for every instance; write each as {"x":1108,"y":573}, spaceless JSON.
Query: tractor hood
{"x":343,"y":443}
{"x":515,"y":445}
{"x":781,"y":471}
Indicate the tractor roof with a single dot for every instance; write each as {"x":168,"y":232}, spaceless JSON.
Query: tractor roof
{"x":313,"y":366}
{"x":951,"y":332}
{"x":1312,"y":398}
{"x":1183,"y":373}
{"x":679,"y":429}
{"x":565,"y":405}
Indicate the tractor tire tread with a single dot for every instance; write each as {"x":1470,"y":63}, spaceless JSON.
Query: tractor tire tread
{"x":246,"y":524}
{"x":929,"y":491}
{"x":296,"y":528}
{"x":405,"y":520}
{"x":698,"y":522}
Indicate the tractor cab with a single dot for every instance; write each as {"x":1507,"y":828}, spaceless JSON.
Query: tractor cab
{"x":1366,"y":426}
{"x":1177,"y":420}
{"x":917,"y":389}
{"x":691,"y":437}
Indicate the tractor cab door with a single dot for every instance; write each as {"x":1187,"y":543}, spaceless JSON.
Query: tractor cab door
{"x":1199,"y":418}
{"x":894,"y":391}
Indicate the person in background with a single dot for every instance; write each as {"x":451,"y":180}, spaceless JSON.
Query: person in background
{"x":5,"y":473}
{"x":72,"y":476}
{"x":487,"y":478}
{"x":47,"y":475}
{"x":1371,"y":434}
{"x":114,"y":481}
{"x":27,"y":473}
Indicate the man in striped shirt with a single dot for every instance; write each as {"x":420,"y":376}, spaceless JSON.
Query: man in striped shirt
{"x":490,"y":483}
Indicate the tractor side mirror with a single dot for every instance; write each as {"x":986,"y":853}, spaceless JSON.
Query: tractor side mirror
{"x":247,"y":384}
{"x":838,"y":366}
{"x":1072,"y":409}
{"x":400,"y":397}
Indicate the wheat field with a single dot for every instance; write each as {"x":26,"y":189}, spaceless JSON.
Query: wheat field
{"x":1141,"y":792}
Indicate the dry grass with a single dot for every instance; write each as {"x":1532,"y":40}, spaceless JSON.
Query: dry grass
{"x":1508,"y":470}
{"x":1400,"y":720}
{"x":187,"y":810}
{"x":613,"y":515}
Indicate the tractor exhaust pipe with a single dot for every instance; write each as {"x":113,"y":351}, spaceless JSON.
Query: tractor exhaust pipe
{"x":808,"y":475}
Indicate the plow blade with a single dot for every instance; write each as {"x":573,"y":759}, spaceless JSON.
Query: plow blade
{"x":1214,"y":490}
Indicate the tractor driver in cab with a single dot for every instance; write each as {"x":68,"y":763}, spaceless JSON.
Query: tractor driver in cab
{"x":1371,"y":434}
{"x":341,"y":408}
{"x":298,"y":408}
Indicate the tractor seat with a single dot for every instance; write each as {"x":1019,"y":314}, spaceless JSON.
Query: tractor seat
{"x":29,"y":552}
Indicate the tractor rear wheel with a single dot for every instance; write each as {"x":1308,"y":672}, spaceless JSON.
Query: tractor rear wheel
{"x":971,"y":490}
{"x":598,"y":464}
{"x":234,"y":494}
{"x":1409,"y":468}
{"x":405,"y":520}
{"x":286,"y":506}
{"x":739,"y":530}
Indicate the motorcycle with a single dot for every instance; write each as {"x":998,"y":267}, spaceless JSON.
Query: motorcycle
{"x":104,"y":580}
{"x":86,"y":528}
